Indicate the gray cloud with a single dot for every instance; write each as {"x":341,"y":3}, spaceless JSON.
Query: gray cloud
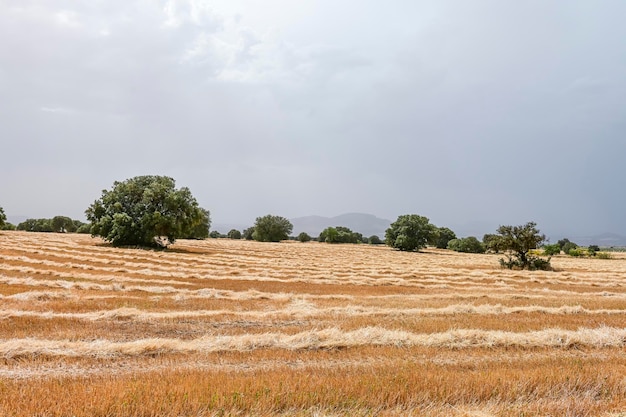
{"x":484,"y":112}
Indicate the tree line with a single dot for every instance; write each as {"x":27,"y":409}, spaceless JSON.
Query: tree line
{"x":151,"y":211}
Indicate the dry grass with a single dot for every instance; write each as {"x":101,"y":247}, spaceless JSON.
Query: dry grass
{"x":221,"y":327}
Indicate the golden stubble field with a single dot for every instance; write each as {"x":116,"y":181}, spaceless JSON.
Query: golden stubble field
{"x":223,"y":327}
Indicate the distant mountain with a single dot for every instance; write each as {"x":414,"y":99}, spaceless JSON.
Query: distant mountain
{"x":366,"y":224}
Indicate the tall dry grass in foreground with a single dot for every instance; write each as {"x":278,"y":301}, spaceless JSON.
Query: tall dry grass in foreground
{"x":222,"y":327}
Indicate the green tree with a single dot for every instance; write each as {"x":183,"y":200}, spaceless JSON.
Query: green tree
{"x":84,"y":228}
{"x":374,"y":240}
{"x":563,"y":242}
{"x":233,"y":234}
{"x":201,"y":229}
{"x":410,"y":232}
{"x":36,"y":225}
{"x":3,"y":218}
{"x":467,"y":245}
{"x":271,"y":228}
{"x":518,"y":241}
{"x":569,"y":246}
{"x":248,"y":233}
{"x":215,"y":234}
{"x":444,"y":236}
{"x":145,"y":210}
{"x":340,"y":234}
{"x":63,"y":224}
{"x":492,"y":243}
{"x":304,"y":237}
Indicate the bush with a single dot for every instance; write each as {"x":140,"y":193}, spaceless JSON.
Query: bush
{"x":551,"y":250}
{"x":215,"y":234}
{"x":604,"y":255}
{"x":3,"y":218}
{"x":271,"y":228}
{"x":575,"y":252}
{"x":410,"y":232}
{"x":568,"y":246}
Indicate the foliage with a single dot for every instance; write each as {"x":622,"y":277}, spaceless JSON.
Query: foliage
{"x":201,"y":229}
{"x":568,"y":246}
{"x":374,"y":240}
{"x":492,"y":243}
{"x":63,"y":224}
{"x":36,"y":225}
{"x":233,"y":234}
{"x":3,"y":218}
{"x":604,"y":255}
{"x":563,"y":242}
{"x":340,"y":234}
{"x":271,"y":228}
{"x":145,"y":210}
{"x":248,"y":233}
{"x":215,"y":234}
{"x":551,"y":250}
{"x":467,"y":244}
{"x":575,"y":252}
{"x":84,"y":228}
{"x":518,"y":241}
{"x":8,"y":226}
{"x":410,"y":232}
{"x":593,"y":249}
{"x":444,"y":235}
{"x":304,"y":237}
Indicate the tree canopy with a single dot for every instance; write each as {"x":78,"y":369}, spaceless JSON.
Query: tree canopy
{"x":410,"y":232}
{"x":271,"y":228}
{"x":233,"y":234}
{"x":444,"y":235}
{"x":468,"y":244}
{"x":340,"y":234}
{"x":518,"y":241}
{"x":146,"y":211}
{"x":3,"y":217}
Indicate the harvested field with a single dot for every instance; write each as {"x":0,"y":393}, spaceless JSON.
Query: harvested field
{"x":224,"y":327}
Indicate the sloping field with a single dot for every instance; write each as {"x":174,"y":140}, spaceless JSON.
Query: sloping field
{"x":222,"y":327}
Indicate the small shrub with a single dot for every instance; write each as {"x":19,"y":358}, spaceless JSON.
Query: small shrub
{"x":604,"y":255}
{"x":551,"y":250}
{"x":576,"y":252}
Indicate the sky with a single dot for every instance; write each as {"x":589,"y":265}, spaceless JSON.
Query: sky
{"x":473,"y":114}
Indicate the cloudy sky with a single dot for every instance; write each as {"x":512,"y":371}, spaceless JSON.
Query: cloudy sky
{"x":472,"y":113}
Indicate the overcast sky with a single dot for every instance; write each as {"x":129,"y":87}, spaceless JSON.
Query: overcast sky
{"x":482,"y":112}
